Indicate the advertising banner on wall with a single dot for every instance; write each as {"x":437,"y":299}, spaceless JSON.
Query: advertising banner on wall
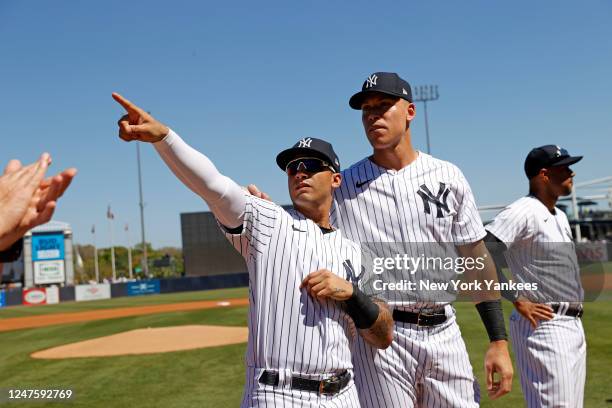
{"x":34,"y":296}
{"x":2,"y":298}
{"x":592,"y":251}
{"x":53,"y":296}
{"x":92,"y":292}
{"x":46,"y":247}
{"x":148,"y":287}
{"x":46,"y":272}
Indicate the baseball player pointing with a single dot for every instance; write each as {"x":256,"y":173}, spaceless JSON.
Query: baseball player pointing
{"x":300,"y":322}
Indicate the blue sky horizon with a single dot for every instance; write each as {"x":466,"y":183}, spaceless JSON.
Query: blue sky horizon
{"x":242,"y":81}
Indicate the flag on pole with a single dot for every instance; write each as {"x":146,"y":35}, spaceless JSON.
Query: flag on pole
{"x":79,"y":259}
{"x":93,"y":229}
{"x":109,"y":214}
{"x":126,"y":227}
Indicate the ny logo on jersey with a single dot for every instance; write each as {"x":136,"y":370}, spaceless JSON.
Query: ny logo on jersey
{"x":305,"y":142}
{"x":350,"y":272}
{"x":439,"y":200}
{"x":371,"y":81}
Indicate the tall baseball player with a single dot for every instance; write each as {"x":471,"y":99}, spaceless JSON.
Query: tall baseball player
{"x":400,"y":195}
{"x":300,"y":322}
{"x":546,"y":330}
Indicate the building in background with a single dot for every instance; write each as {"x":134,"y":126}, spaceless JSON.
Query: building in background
{"x":206,"y":251}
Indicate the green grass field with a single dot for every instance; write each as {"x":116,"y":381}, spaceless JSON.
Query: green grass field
{"x":212,"y":377}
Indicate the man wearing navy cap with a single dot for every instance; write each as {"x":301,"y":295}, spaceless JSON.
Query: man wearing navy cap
{"x":546,"y":330}
{"x":402,"y":195}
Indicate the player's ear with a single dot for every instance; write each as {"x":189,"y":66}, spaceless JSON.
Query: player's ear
{"x":411,"y":111}
{"x":336,"y":180}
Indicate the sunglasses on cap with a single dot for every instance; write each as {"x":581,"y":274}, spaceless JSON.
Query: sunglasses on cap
{"x":309,"y":165}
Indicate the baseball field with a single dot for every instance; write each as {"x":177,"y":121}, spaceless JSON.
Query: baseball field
{"x":213,"y":376}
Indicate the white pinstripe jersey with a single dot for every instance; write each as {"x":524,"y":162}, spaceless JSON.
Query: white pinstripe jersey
{"x":287,"y":328}
{"x":427,"y":201}
{"x":540,"y":250}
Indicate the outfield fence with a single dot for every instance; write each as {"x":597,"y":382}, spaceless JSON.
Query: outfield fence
{"x":17,"y":296}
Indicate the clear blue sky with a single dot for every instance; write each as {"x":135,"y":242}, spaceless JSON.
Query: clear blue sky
{"x":242,"y":80}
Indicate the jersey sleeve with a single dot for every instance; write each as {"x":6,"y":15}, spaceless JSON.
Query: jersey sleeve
{"x":259,"y":222}
{"x":510,"y":225}
{"x":467,"y":225}
{"x":224,"y":197}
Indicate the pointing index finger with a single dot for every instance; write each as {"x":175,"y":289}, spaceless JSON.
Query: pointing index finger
{"x":127,"y":105}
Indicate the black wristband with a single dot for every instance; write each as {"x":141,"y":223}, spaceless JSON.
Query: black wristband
{"x":362,"y":309}
{"x":492,"y":316}
{"x":13,"y":253}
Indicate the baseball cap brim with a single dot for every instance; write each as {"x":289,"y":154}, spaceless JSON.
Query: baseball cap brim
{"x":567,"y":161}
{"x":357,"y":99}
{"x":284,"y":157}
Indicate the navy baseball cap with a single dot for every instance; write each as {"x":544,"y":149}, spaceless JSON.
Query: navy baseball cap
{"x":309,"y":147}
{"x":547,"y":156}
{"x":384,"y":82}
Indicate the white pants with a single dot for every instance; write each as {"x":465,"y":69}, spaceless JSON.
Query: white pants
{"x":260,"y":395}
{"x":423,"y":367}
{"x":551,"y":360}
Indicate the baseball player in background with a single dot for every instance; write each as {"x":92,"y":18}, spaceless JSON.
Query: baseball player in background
{"x":546,"y":330}
{"x":401,"y":195}
{"x":300,"y":322}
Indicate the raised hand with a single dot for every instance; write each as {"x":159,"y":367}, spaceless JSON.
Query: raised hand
{"x":26,"y":199}
{"x":138,"y":124}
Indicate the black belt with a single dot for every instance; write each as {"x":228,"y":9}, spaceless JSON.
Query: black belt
{"x":573,"y":310}
{"x":420,"y":319}
{"x":330,"y":386}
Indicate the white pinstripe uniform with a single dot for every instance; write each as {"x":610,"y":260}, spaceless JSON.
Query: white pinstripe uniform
{"x":552,"y":358}
{"x":290,"y":333}
{"x":425,"y":366}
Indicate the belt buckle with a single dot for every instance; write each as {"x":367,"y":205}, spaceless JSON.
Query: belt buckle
{"x":329,"y":386}
{"x":425,"y":316}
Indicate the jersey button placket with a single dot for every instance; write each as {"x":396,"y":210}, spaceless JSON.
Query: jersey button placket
{"x":397,"y":197}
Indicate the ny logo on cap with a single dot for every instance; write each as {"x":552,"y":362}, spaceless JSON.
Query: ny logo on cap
{"x":371,"y":81}
{"x":305,"y":142}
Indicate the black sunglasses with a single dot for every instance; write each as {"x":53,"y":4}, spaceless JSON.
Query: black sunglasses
{"x":308,"y":165}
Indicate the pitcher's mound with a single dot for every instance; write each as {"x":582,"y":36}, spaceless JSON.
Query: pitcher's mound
{"x":149,"y":341}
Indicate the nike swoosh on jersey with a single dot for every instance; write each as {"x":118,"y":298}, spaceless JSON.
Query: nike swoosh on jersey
{"x":361,"y":184}
{"x":297,"y":229}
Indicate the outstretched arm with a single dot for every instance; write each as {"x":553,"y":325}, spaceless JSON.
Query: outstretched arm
{"x":372,"y":317}
{"x":224,"y":197}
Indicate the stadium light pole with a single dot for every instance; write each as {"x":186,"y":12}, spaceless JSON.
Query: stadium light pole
{"x":144,"y":261}
{"x":426,"y":93}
